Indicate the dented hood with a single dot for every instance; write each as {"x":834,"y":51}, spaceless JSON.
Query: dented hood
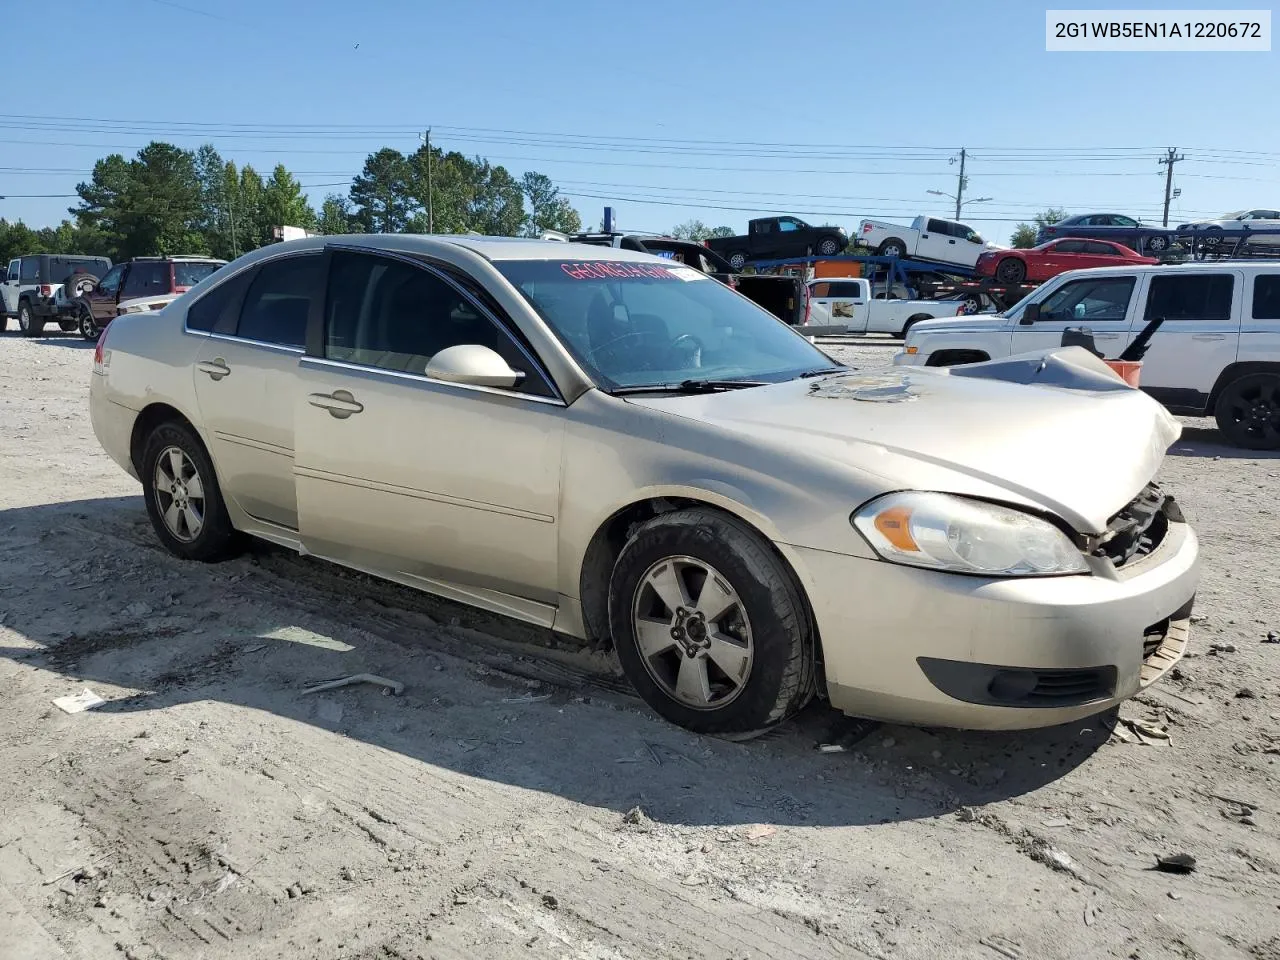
{"x":1056,"y":430}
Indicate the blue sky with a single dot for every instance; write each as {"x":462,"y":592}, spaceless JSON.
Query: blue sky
{"x":668,"y":112}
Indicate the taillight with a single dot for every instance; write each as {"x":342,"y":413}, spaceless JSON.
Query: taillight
{"x":866,"y":228}
{"x":100,"y":354}
{"x":808,"y":305}
{"x":46,"y":290}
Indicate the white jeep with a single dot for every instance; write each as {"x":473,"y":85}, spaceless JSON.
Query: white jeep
{"x":1217,"y":353}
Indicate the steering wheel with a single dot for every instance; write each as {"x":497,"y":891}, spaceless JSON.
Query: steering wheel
{"x":676,"y":347}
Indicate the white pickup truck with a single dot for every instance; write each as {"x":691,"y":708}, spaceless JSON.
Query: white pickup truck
{"x":928,"y":238}
{"x":848,"y":301}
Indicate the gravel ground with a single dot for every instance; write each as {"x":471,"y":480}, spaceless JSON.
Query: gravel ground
{"x":516,"y":801}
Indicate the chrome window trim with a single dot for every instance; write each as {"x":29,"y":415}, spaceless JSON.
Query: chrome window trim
{"x":227,"y":278}
{"x":376,"y":372}
{"x":423,"y":264}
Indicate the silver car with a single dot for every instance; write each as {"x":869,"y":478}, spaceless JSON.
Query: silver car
{"x":623,"y":449}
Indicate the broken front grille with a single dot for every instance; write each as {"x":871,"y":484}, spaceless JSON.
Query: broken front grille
{"x":1139,"y":528}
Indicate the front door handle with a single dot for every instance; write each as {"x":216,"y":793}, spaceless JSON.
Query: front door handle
{"x":1106,"y":336}
{"x":1208,"y":336}
{"x":340,"y":403}
{"x":216,"y":368}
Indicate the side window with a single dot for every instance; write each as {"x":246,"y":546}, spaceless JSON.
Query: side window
{"x":278,"y":301}
{"x":1201,"y":296}
{"x":849,"y":291}
{"x":788,"y":225}
{"x":820,"y":290}
{"x":217,"y":310}
{"x":146,"y":279}
{"x":392,"y":315}
{"x":13,"y":270}
{"x":1266,"y":296}
{"x":1092,"y":298}
{"x":1100,"y":249}
{"x":30,"y":270}
{"x":937,"y":226}
{"x":1123,"y":222}
{"x":1070,"y":246}
{"x":111,"y":282}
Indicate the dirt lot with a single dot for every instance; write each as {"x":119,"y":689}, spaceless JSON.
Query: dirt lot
{"x":211,"y":809}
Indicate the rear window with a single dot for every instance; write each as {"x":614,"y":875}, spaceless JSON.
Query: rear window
{"x":1205,"y":296}
{"x":849,"y":290}
{"x":62,"y":268}
{"x":188,"y":274}
{"x":1266,"y":296}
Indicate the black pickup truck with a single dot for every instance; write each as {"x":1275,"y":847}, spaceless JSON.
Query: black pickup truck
{"x":784,"y":297}
{"x":778,"y":237}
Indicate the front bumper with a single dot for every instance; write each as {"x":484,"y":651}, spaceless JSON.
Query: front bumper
{"x":904,"y":359}
{"x":937,"y":649}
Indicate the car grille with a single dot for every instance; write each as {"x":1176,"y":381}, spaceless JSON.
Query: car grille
{"x":1139,"y":528}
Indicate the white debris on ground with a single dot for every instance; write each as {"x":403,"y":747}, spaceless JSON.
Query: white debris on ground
{"x":515,"y":801}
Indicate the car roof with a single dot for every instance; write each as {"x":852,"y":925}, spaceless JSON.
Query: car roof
{"x":491,"y":248}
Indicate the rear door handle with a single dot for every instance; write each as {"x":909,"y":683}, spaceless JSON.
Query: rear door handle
{"x":216,"y":368}
{"x":1208,"y":336}
{"x":340,"y":403}
{"x":1106,"y":336}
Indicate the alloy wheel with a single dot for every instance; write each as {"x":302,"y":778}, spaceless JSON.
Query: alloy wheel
{"x":692,"y":632}
{"x":179,"y":494}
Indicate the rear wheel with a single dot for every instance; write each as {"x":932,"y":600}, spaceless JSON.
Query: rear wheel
{"x":892,"y":248}
{"x":28,"y":322}
{"x":906,"y":327}
{"x":738,"y":259}
{"x":710,"y":626}
{"x":1157,"y":244}
{"x":86,"y":323}
{"x":828,"y":246}
{"x":182,"y":496}
{"x":1011,"y":270}
{"x":1248,"y":411}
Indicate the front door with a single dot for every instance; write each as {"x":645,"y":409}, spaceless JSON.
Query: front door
{"x":245,"y":380}
{"x":446,"y":485}
{"x":146,"y":278}
{"x":936,"y":242}
{"x":1103,"y":304}
{"x":1200,"y":335}
{"x":9,"y":288}
{"x":104,"y":297}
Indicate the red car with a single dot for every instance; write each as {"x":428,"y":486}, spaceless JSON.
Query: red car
{"x":1055,"y":257}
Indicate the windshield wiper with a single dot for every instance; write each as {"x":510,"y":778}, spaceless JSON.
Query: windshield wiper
{"x":689,"y":386}
{"x":822,"y":372}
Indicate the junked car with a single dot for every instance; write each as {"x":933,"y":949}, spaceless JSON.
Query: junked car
{"x":620,"y":448}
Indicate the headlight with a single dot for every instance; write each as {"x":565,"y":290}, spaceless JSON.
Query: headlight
{"x":944,"y":532}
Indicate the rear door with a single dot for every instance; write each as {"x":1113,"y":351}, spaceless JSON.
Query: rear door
{"x":254,"y":329}
{"x":936,"y":242}
{"x":146,"y":278}
{"x":846,"y":302}
{"x":1199,"y":338}
{"x":1105,"y":304}
{"x":104,"y":297}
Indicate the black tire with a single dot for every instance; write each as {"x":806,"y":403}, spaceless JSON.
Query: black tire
{"x":1011,"y":270}
{"x":893,"y":247}
{"x":906,"y":327}
{"x":78,"y":284}
{"x":66,"y":326}
{"x":217,"y":538}
{"x":86,"y":324}
{"x":738,"y":259}
{"x":1248,"y":411}
{"x":28,"y":322}
{"x":1211,"y":237}
{"x":780,"y":676}
{"x":828,"y":247}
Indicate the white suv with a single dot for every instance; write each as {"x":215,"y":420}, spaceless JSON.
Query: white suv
{"x":1217,"y":353}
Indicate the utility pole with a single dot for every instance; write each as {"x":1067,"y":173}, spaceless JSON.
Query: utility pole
{"x":1167,"y":162}
{"x":960,"y":184}
{"x":431,"y":217}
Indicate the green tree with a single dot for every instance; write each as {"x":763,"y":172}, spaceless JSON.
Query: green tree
{"x":335,"y":216}
{"x":17,"y":240}
{"x":1024,"y":234}
{"x":382,"y":194}
{"x":697,"y":230}
{"x":547,"y":209}
{"x":283,"y":202}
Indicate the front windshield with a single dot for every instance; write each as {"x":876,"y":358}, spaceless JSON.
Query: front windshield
{"x":637,"y":324}
{"x":1235,"y":215}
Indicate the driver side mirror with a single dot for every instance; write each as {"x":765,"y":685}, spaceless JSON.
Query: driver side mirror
{"x":1030,"y":315}
{"x":474,"y":365}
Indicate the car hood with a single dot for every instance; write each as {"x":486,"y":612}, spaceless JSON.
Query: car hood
{"x":1054,"y":430}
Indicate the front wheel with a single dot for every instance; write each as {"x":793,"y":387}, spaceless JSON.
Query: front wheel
{"x":1011,"y":270}
{"x":1157,"y":244}
{"x":182,"y":496}
{"x":1248,"y":411}
{"x":828,"y":247}
{"x":710,"y":626}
